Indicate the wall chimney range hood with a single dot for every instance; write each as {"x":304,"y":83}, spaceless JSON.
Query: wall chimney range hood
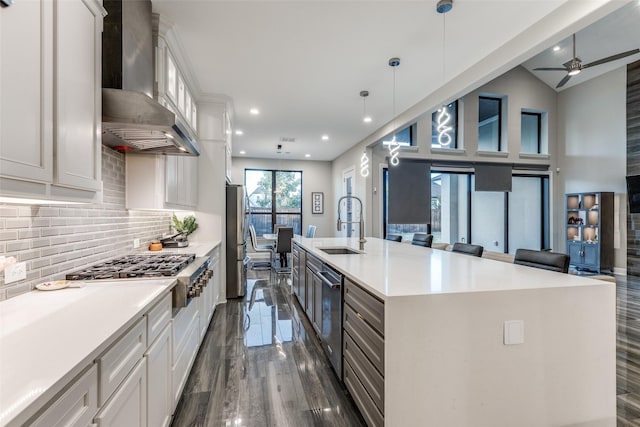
{"x":132,"y":121}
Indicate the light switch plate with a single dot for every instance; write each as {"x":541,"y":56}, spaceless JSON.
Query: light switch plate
{"x":136,"y":243}
{"x":15,"y":272}
{"x":513,"y":332}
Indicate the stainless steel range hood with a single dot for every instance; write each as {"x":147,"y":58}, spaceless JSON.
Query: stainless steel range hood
{"x":132,"y":121}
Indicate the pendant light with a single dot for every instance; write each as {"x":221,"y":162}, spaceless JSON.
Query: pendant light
{"x":364,"y":160}
{"x":364,"y":164}
{"x":444,"y":117}
{"x":394,"y":147}
{"x":365,"y":117}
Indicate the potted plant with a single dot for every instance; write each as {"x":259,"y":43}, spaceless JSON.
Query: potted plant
{"x":187,"y":225}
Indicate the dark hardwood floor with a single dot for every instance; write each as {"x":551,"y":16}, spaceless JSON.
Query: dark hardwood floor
{"x":258,"y":366}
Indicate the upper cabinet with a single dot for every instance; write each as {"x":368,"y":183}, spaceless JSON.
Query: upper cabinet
{"x":50,"y":100}
{"x":172,"y":89}
{"x":155,"y":181}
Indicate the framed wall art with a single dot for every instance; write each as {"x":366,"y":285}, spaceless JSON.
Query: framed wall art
{"x":317,"y":202}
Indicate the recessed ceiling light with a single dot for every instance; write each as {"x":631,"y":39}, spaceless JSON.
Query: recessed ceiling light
{"x":325,"y":137}
{"x":307,"y":155}
{"x":243,"y":152}
{"x":556,"y":48}
{"x":254,"y":111}
{"x":239,"y":132}
{"x":367,"y":119}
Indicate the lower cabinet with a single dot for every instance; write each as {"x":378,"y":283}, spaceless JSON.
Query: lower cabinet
{"x":128,"y":405}
{"x":363,"y":351}
{"x":316,"y":290}
{"x":77,"y":406}
{"x":159,"y":392}
{"x":185,"y":347}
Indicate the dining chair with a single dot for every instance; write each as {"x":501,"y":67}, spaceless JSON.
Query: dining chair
{"x":311,"y":231}
{"x":467,"y":249}
{"x":259,"y":248}
{"x":542,"y":259}
{"x":394,"y":237}
{"x":422,"y":239}
{"x":282,"y":248}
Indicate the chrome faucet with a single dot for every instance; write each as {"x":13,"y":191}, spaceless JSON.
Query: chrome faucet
{"x":361,"y":222}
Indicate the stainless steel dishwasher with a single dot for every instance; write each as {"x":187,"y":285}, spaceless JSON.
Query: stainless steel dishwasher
{"x":331,"y":330}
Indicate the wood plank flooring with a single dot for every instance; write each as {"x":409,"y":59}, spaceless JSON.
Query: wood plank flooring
{"x":258,"y":366}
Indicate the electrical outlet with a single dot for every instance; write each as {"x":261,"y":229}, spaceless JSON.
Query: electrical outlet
{"x":136,"y":243}
{"x":15,"y":272}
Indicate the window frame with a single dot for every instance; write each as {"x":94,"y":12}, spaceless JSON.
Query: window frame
{"x":274,"y":211}
{"x":454,"y":143}
{"x":493,"y":98}
{"x":412,"y":137}
{"x":539,"y":116}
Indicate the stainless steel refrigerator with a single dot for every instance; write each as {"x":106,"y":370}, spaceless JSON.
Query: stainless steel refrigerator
{"x":236,"y":244}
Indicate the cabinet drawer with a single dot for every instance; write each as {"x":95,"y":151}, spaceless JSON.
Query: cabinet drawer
{"x":368,"y":409}
{"x":369,"y":307}
{"x":365,"y":337}
{"x":117,"y":362}
{"x":158,"y":318}
{"x":77,"y":406}
{"x":128,"y":407}
{"x":181,"y":324}
{"x":370,"y":378}
{"x":182,"y":361}
{"x":313,"y":263}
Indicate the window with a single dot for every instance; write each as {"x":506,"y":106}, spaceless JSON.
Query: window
{"x":452,"y":110}
{"x":530,"y":132}
{"x":499,"y":221}
{"x":274,"y":197}
{"x":450,"y":207}
{"x":404,"y":137}
{"x":489,"y":124}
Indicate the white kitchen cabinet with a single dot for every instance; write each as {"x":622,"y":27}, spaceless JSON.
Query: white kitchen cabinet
{"x":76,"y":407}
{"x":50,"y":100}
{"x":114,"y":365}
{"x":159,"y":391}
{"x":155,"y":181}
{"x":185,"y":347}
{"x":172,"y":86}
{"x":128,"y":405}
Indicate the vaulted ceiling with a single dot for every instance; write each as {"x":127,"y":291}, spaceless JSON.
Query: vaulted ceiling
{"x":303,"y":63}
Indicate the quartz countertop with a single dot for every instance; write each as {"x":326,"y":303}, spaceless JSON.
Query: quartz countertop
{"x":198,"y":248}
{"x":392,"y":269}
{"x":49,"y":337}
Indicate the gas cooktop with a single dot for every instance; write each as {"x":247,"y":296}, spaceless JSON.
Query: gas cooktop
{"x":130,"y":266}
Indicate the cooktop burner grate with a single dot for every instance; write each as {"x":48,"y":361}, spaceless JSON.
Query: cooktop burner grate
{"x":129,"y":266}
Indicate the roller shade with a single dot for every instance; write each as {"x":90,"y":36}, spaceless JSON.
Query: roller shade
{"x":493,"y":177}
{"x":409,"y":198}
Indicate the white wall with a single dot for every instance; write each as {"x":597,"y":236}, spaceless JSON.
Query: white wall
{"x":593,"y":148}
{"x":316,"y":176}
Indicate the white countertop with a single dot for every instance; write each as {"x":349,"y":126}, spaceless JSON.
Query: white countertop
{"x":49,"y":337}
{"x":392,"y":269}
{"x":198,"y":248}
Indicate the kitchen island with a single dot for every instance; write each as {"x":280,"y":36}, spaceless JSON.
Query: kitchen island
{"x":446,"y":320}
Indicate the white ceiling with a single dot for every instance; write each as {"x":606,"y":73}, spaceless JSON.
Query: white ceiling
{"x":304,"y":62}
{"x":615,"y":33}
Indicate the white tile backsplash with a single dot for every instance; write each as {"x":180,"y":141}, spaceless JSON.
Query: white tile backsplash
{"x":55,"y":240}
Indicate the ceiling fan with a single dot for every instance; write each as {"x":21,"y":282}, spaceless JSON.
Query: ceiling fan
{"x":575,"y":65}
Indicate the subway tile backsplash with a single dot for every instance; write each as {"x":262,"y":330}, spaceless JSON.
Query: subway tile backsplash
{"x":55,"y":240}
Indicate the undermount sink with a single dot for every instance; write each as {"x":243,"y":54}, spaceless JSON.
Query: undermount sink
{"x":340,"y":251}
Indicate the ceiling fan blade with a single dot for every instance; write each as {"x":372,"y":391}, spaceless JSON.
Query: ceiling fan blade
{"x":550,"y":69}
{"x":563,"y":81}
{"x":611,"y":58}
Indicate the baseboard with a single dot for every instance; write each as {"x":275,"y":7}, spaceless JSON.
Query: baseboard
{"x":619,"y":271}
